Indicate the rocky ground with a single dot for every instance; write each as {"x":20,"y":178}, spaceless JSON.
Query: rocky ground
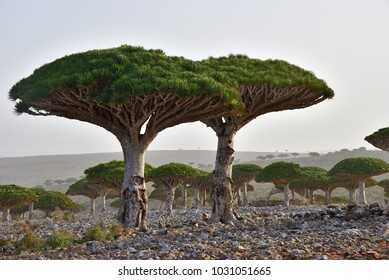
{"x":297,"y":232}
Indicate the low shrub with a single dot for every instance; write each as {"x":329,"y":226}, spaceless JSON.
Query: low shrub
{"x":59,"y":239}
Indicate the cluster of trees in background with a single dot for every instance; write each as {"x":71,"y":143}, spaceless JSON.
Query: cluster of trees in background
{"x":105,"y":180}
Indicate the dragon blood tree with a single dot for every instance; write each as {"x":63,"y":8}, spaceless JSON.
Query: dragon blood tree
{"x":265,"y":86}
{"x":242,"y":174}
{"x":133,"y":93}
{"x":359,"y":169}
{"x":171,"y":176}
{"x":379,"y":139}
{"x":281,"y":173}
{"x":13,"y":196}
{"x":200,"y":184}
{"x":84,"y":187}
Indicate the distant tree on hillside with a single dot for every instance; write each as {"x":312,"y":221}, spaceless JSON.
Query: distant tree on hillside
{"x":314,"y":154}
{"x":270,"y":156}
{"x":261,"y":157}
{"x":295,"y":154}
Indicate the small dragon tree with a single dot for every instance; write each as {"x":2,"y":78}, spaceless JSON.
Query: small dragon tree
{"x":242,"y":174}
{"x":13,"y":196}
{"x":51,"y":201}
{"x":281,"y":173}
{"x":379,"y":139}
{"x":171,"y":176}
{"x":134,"y":94}
{"x":91,"y":190}
{"x":201,"y":183}
{"x":265,"y":86}
{"x":359,"y":169}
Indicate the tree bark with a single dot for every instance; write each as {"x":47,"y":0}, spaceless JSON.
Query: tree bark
{"x":133,"y":209}
{"x":92,"y":206}
{"x":6,"y":215}
{"x":327,"y":197}
{"x":239,"y":197}
{"x":204,"y":198}
{"x":351,"y":195}
{"x":221,"y":192}
{"x":362,"y":193}
{"x":245,"y":198}
{"x":103,"y":202}
{"x":184,"y":196}
{"x":170,"y":199}
{"x":30,"y":210}
{"x":286,"y":195}
{"x":197,"y":198}
{"x":311,"y":197}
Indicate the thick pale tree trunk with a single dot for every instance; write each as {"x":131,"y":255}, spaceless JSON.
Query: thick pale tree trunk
{"x":197,"y":198}
{"x":170,"y":199}
{"x":103,"y":202}
{"x":362,"y":193}
{"x":327,"y":197}
{"x":184,"y":195}
{"x":292,"y":191}
{"x":286,"y":195}
{"x":30,"y":210}
{"x":133,"y":208}
{"x":330,"y":196}
{"x":6,"y":215}
{"x":221,"y":192}
{"x":351,"y":196}
{"x":92,"y":206}
{"x":311,"y":197}
{"x":245,"y":197}
{"x":204,"y":198}
{"x":306,"y":193}
{"x":239,"y":197}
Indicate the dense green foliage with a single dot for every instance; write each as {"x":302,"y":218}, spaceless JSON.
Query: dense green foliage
{"x":245,"y":171}
{"x":359,"y":167}
{"x":14,"y":195}
{"x":173,"y":170}
{"x":317,"y":177}
{"x":112,"y":170}
{"x":114,"y":76}
{"x":384,"y":183}
{"x":82,"y":187}
{"x":52,"y":200}
{"x":242,"y":70}
{"x":382,"y":133}
{"x":280,"y":173}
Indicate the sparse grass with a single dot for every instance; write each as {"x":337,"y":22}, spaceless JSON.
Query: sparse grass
{"x":94,"y":233}
{"x":59,"y":239}
{"x":30,"y":242}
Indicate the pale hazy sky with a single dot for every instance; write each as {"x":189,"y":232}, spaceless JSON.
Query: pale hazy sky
{"x":343,"y":42}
